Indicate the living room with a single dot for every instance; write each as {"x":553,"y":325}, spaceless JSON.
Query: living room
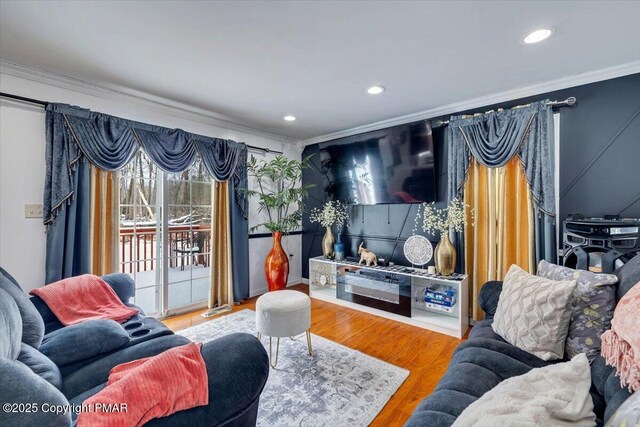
{"x":419,"y":213}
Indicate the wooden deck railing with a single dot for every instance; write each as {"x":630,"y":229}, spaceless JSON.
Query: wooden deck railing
{"x":138,"y":247}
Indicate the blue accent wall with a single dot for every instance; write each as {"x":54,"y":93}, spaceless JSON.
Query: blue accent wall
{"x":599,"y":170}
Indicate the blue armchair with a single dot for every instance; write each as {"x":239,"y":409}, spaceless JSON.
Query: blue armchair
{"x":43,"y":362}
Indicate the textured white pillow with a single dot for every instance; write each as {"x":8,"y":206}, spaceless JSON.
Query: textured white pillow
{"x":628,"y":414}
{"x":533,"y":313}
{"x":556,"y":395}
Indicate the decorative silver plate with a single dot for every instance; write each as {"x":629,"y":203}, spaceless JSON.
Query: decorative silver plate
{"x":418,"y":250}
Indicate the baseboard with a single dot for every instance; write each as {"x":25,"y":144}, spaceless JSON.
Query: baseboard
{"x":291,"y":282}
{"x":257,"y":292}
{"x":294,"y":281}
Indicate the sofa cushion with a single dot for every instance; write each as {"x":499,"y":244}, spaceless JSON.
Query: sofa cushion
{"x":83,"y":340}
{"x":97,"y":372}
{"x":477,"y":366}
{"x":533,"y":313}
{"x":592,"y":305}
{"x":32,"y":324}
{"x":440,"y":409}
{"x":237,"y":368}
{"x":10,"y":327}
{"x":21,"y":385}
{"x":41,"y":365}
{"x":553,"y":395}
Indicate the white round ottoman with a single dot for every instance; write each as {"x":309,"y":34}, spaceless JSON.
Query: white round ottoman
{"x":283,"y":314}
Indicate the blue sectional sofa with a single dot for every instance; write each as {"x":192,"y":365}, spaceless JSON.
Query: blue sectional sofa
{"x":43,"y":362}
{"x":485,"y":360}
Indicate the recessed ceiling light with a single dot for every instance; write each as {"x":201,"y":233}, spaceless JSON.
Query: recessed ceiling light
{"x":375,"y":90}
{"x":289,"y":118}
{"x":537,"y":36}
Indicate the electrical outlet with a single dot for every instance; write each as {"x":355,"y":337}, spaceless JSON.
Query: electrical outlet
{"x":33,"y":211}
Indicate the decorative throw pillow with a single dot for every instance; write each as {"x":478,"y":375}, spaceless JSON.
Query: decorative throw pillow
{"x":533,"y":313}
{"x":556,"y":395}
{"x":592,"y":306}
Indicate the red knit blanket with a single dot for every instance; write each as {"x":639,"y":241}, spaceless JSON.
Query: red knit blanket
{"x":621,"y":344}
{"x":149,"y":388}
{"x":82,"y":298}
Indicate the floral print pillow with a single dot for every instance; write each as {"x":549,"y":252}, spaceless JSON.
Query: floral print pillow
{"x":592,"y":306}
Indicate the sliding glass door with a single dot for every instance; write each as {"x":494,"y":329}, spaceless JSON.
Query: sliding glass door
{"x":165,"y":235}
{"x":189,"y":220}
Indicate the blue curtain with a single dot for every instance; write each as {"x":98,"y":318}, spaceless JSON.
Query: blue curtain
{"x":77,"y":136}
{"x":493,"y":139}
{"x":68,"y":240}
{"x":239,"y":229}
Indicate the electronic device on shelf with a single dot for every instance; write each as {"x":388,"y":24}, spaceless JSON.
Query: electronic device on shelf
{"x":599,"y":244}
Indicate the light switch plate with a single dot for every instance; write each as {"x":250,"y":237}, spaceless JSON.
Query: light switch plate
{"x":33,"y":211}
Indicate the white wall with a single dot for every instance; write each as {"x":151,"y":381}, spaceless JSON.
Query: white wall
{"x":22,"y":241}
{"x":22,"y":169}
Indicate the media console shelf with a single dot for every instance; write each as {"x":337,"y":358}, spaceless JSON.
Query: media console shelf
{"x":395,"y":293}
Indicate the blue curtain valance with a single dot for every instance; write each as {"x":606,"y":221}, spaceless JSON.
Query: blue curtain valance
{"x":494,"y":138}
{"x":110,"y":142}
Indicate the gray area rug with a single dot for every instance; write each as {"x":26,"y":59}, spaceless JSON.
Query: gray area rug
{"x":337,"y":386}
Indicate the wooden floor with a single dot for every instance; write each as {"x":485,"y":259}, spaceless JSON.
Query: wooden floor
{"x":424,"y":353}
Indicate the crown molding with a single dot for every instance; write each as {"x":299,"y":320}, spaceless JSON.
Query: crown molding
{"x":152,"y":102}
{"x":522,"y":92}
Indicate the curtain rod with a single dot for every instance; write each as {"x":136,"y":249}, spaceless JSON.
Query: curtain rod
{"x":45,"y":103}
{"x":569,"y":102}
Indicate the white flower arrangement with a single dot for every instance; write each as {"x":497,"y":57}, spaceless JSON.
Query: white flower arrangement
{"x":434,"y":220}
{"x":332,"y":213}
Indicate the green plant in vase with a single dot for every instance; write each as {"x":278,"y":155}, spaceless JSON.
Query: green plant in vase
{"x":281,"y":195}
{"x":333,"y":213}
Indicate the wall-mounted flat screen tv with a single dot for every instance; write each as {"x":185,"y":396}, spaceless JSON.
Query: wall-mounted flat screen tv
{"x":393,"y":165}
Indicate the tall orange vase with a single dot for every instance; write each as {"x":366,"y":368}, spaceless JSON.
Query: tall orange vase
{"x":277,"y":265}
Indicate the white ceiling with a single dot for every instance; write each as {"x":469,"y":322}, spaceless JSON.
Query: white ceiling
{"x":257,"y":61}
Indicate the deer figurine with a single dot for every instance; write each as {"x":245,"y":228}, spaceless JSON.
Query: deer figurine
{"x":367,"y":256}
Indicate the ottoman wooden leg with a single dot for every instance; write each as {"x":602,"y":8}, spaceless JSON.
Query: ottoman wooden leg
{"x":309,"y":342}
{"x":274,"y":364}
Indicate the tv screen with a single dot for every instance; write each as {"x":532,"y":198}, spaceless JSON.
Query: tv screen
{"x":394,"y":165}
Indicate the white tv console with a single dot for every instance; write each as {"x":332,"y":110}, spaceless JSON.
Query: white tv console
{"x":325,"y":273}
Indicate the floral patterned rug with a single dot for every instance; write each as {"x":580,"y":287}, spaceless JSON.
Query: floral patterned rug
{"x":337,"y":386}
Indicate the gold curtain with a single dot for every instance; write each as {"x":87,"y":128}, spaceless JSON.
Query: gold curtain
{"x":221,"y":286}
{"x":105,"y":202}
{"x":504,"y":232}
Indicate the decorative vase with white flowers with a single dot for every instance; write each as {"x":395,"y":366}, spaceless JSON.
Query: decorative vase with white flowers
{"x":334,"y":213}
{"x":451,"y":219}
